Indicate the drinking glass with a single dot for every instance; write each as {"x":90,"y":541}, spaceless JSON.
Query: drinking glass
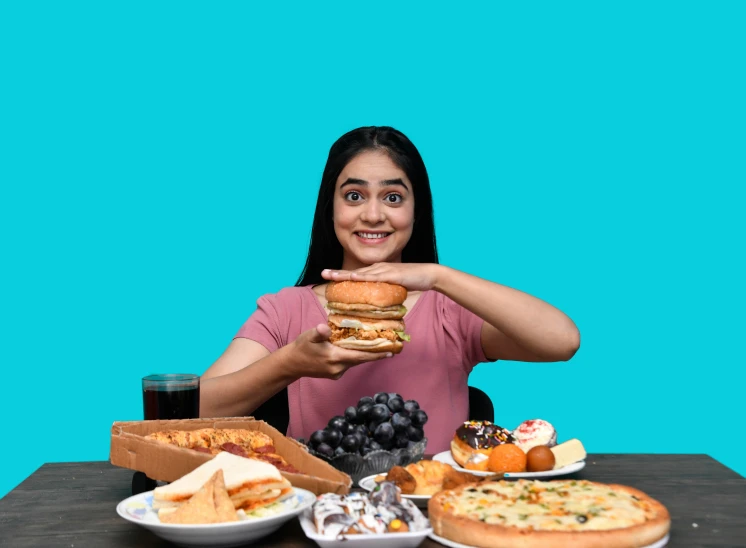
{"x":166,"y":396}
{"x":170,"y":396}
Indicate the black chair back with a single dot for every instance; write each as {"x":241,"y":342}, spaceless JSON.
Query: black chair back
{"x":480,"y":406}
{"x":275,"y":411}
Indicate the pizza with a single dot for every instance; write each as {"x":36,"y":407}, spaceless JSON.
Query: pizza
{"x":244,"y":443}
{"x":529,"y":514}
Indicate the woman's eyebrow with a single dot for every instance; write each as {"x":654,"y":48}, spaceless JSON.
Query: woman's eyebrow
{"x":362,"y":182}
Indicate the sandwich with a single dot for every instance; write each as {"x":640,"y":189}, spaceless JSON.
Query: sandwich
{"x":367,"y":316}
{"x":250,"y":483}
{"x":211,"y":504}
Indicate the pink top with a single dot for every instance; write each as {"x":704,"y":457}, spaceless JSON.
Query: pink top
{"x":433,"y":368}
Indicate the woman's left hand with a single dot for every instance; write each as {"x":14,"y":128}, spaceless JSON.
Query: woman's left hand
{"x":413,"y":276}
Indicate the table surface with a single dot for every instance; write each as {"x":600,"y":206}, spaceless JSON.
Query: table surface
{"x":74,"y":504}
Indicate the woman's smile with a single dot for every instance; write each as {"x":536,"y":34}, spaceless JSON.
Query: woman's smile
{"x":372,"y":238}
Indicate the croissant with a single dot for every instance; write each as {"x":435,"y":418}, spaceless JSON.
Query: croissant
{"x":427,"y":477}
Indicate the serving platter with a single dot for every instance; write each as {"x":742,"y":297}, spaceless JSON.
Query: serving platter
{"x":138,"y":509}
{"x":447,"y":458}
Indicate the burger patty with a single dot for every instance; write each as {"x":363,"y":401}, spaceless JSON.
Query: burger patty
{"x":339,"y":333}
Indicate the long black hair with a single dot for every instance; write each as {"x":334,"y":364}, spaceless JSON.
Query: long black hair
{"x":324,"y":250}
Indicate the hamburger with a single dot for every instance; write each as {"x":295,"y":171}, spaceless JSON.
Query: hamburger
{"x":367,"y":316}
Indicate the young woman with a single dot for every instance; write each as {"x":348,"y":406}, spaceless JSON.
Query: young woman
{"x":374,"y":222}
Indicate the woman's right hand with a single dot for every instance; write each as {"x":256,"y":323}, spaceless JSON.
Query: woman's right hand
{"x":312,"y":355}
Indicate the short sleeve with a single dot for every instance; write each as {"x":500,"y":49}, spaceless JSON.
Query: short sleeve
{"x":263,"y":326}
{"x":469,"y":327}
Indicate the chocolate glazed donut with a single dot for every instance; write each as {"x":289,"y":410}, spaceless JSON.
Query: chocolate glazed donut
{"x":475,"y":438}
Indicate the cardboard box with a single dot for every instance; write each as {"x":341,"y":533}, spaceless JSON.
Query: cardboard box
{"x":160,"y":461}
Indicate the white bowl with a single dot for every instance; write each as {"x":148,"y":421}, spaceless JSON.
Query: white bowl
{"x":385,"y":540}
{"x":139,"y":510}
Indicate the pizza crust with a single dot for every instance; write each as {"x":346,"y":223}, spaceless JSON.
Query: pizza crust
{"x":485,"y":535}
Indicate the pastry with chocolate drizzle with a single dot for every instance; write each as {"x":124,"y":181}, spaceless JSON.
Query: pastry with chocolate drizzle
{"x":474,"y":441}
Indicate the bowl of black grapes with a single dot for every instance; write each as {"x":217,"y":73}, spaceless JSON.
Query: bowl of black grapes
{"x":380,"y":432}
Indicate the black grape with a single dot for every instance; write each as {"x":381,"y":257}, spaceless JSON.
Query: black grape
{"x":410,"y":406}
{"x":334,"y":437}
{"x":400,"y":422}
{"x":336,"y":423}
{"x":419,"y":418}
{"x":379,"y":413}
{"x":363,"y":411}
{"x":361,"y":438}
{"x":324,"y":449}
{"x":415,"y":434}
{"x":351,"y":415}
{"x":384,"y":433}
{"x":319,"y":437}
{"x":395,"y":404}
{"x":381,"y":397}
{"x":350,"y":443}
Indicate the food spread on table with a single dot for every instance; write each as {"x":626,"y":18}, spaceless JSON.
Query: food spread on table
{"x":530,"y":514}
{"x":531,"y":447}
{"x":240,"y":442}
{"x":379,"y":512}
{"x":243,"y":482}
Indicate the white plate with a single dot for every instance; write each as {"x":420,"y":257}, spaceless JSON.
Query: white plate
{"x":447,"y":458}
{"x":660,"y":544}
{"x":369,"y":484}
{"x":385,"y":540}
{"x":139,"y":509}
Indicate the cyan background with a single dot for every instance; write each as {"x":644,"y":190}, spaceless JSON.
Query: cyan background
{"x":160,"y":162}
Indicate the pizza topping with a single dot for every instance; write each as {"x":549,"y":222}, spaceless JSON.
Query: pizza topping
{"x":235,"y":449}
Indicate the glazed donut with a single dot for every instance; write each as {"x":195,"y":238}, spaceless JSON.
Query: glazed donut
{"x":474,"y":441}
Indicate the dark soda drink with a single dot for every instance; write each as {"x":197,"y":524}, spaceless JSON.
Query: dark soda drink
{"x":171,"y":402}
{"x":165,"y":397}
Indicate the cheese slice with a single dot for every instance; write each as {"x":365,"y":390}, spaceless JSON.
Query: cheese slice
{"x":356,"y":324}
{"x":567,"y":453}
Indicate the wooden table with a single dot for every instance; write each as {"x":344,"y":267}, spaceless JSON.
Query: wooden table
{"x":73,"y":504}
